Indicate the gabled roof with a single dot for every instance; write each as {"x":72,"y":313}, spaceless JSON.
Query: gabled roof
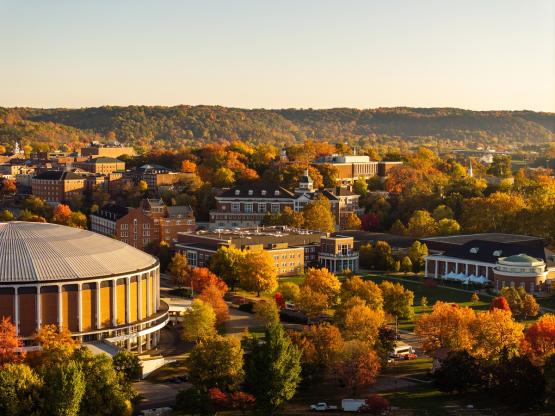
{"x":490,"y":251}
{"x":104,"y":159}
{"x":257,"y":191}
{"x":112,"y":211}
{"x":179,"y":211}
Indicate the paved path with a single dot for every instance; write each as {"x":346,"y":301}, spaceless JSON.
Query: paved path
{"x":158,"y":394}
{"x":238,"y":321}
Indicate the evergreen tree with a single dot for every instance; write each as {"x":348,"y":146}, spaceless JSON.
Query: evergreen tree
{"x":64,"y":386}
{"x":273,"y":370}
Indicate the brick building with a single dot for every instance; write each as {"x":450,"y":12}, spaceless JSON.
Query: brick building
{"x":56,"y":186}
{"x":170,"y":220}
{"x":103,"y":165}
{"x":352,"y":167}
{"x":99,"y":150}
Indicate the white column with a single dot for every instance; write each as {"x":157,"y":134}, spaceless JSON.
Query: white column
{"x":149,"y":292}
{"x":60,"y":309}
{"x":425,"y":268}
{"x":38,"y":311}
{"x":437,"y":266}
{"x":98,"y":305}
{"x":80,"y":306}
{"x":114,"y":303}
{"x":466,"y":269}
{"x":16,"y":309}
{"x":127,"y":299}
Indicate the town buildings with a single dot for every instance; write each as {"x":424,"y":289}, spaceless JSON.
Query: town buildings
{"x":56,"y":186}
{"x":292,"y":250}
{"x":351,"y":167}
{"x":246,"y":205}
{"x":102,"y":165}
{"x":151,"y":222}
{"x":499,"y":260}
{"x":114,"y":150}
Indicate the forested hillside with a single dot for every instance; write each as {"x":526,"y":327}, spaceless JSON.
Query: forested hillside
{"x":174,"y":126}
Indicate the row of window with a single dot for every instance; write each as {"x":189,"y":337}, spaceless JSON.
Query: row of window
{"x":248,"y":207}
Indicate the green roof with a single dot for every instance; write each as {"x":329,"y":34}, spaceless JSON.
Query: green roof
{"x":521,"y":258}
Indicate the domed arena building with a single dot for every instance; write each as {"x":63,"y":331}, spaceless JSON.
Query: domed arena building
{"x":96,"y":287}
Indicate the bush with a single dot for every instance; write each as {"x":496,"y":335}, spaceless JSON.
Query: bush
{"x":375,"y":405}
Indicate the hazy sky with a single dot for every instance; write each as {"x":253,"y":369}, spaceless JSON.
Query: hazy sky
{"x":482,"y":54}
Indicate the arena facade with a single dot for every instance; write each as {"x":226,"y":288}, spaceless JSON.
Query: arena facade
{"x":97,"y":287}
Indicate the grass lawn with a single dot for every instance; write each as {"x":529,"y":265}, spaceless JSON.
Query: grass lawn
{"x":409,"y":367}
{"x":168,"y":371}
{"x":433,"y":294}
{"x":547,"y":302}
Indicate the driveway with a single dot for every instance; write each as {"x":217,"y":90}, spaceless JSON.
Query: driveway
{"x":239,"y":321}
{"x":158,"y":394}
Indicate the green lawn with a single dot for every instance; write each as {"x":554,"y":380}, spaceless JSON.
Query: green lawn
{"x":409,"y":367}
{"x":168,"y":371}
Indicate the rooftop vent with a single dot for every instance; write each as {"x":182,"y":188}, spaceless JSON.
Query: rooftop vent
{"x":263,"y":192}
{"x":497,"y":253}
{"x":250,"y":192}
{"x":276,"y":192}
{"x":237,"y":192}
{"x":474,"y":250}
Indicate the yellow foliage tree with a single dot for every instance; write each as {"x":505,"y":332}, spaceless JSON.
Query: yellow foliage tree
{"x":323,"y":281}
{"x":362,"y":323}
{"x":257,"y":272}
{"x":494,"y":332}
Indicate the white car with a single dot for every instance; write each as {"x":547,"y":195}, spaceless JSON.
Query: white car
{"x":322,"y":407}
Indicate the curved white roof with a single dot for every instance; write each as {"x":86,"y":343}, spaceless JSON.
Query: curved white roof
{"x":36,"y":252}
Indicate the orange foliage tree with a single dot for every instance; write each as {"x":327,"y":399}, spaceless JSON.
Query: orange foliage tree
{"x":213,"y":296}
{"x":500,"y":302}
{"x":62,"y":214}
{"x":539,"y":340}
{"x":57,"y":343}
{"x":447,"y":326}
{"x":358,"y":365}
{"x":323,"y":281}
{"x":496,"y":332}
{"x":188,"y":166}
{"x":200,"y":278}
{"x":10,"y":343}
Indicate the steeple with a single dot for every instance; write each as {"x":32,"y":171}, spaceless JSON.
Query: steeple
{"x":305,"y":183}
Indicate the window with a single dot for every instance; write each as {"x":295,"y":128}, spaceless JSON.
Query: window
{"x":275,"y":208}
{"x":192,"y":258}
{"x":276,"y":192}
{"x":261,"y":207}
{"x":250,"y":192}
{"x":248,"y":208}
{"x":235,"y":207}
{"x":263,"y":192}
{"x":237,"y":192}
{"x":124,"y":226}
{"x":146,"y":226}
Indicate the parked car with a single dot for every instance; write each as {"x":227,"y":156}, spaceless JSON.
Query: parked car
{"x":322,"y":407}
{"x":410,"y":356}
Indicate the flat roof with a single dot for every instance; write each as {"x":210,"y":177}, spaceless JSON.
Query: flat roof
{"x":494,"y":237}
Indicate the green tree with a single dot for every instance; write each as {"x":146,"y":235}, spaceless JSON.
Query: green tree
{"x":128,"y":365}
{"x":19,"y":390}
{"x":273,"y":369}
{"x":199,"y":322}
{"x":63,"y":389}
{"x":441,"y":212}
{"x":106,"y":391}
{"x":192,"y":401}
{"x":290,"y":291}
{"x":360,"y":186}
{"x":318,"y":215}
{"x":225,"y":263}
{"x":382,"y":256}
{"x":216,"y":362}
{"x":421,"y":224}
{"x":6,"y":215}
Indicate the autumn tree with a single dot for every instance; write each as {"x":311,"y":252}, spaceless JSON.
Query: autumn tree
{"x":495,"y":332}
{"x":179,"y":270}
{"x":352,"y":222}
{"x":363,"y":323}
{"x":199,"y":321}
{"x":216,"y":362}
{"x":10,"y":344}
{"x":56,"y":343}
{"x":6,"y":215}
{"x":267,"y":312}
{"x":63,"y":388}
{"x":257,"y":272}
{"x":20,"y":387}
{"x":290,"y":291}
{"x":358,"y":365}
{"x":475,"y":298}
{"x":188,"y":166}
{"x":321,"y":346}
{"x":500,"y":302}
{"x":417,"y":253}
{"x":212,"y":295}
{"x":448,"y":226}
{"x":323,"y":281}
{"x":447,"y":326}
{"x":273,"y":370}
{"x":201,"y":278}
{"x":539,"y":339}
{"x":225,"y":263}
{"x":406,"y":264}
{"x":397,"y":300}
{"x":318,"y":215}
{"x":311,"y":302}
{"x":61,"y":214}
{"x":421,"y":224}
{"x":366,"y":290}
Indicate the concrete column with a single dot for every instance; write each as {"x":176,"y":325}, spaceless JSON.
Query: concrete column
{"x":98,"y":305}
{"x":16,"y":309}
{"x":38,"y":311}
{"x":466,"y":269}
{"x":139,"y":344}
{"x":140,"y":297}
{"x":80,"y":306}
{"x":114,"y":302}
{"x":436,"y":268}
{"x":426,"y":268}
{"x":127,"y":299}
{"x":149,"y":293}
{"x":60,"y":308}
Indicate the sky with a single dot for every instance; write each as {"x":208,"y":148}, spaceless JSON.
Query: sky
{"x":474,"y":54}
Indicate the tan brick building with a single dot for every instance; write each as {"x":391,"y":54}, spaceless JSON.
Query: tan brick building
{"x":103,"y":165}
{"x":57,"y":186}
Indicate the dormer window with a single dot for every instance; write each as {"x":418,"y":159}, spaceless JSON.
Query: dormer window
{"x":497,"y":253}
{"x":263,"y":192}
{"x":250,"y":192}
{"x":474,"y":250}
{"x":276,"y":192}
{"x":237,"y":192}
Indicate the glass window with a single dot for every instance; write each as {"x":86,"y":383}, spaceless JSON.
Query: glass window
{"x":248,"y":208}
{"x":235,"y":207}
{"x":275,"y":208}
